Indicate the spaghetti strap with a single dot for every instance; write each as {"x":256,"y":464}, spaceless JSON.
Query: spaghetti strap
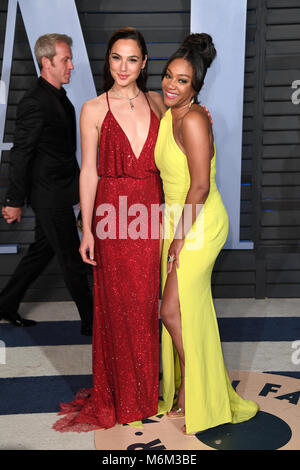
{"x":107,"y":100}
{"x":147,"y":100}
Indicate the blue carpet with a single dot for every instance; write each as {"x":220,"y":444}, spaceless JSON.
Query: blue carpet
{"x":39,"y":394}
{"x":44,"y":334}
{"x":259,"y":329}
{"x":231,"y":330}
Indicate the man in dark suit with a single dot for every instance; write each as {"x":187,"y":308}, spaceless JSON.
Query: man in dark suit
{"x":45,"y":173}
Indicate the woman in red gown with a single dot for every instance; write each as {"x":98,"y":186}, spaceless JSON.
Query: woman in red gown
{"x":120,"y":239}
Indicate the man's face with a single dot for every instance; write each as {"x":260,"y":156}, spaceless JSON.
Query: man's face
{"x":61,"y":65}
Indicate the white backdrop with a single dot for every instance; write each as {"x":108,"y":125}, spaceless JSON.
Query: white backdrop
{"x":223,"y":94}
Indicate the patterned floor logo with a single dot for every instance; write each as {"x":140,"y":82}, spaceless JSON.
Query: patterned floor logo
{"x":276,"y":426}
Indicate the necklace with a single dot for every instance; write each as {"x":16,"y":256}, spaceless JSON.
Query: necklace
{"x":128,"y":99}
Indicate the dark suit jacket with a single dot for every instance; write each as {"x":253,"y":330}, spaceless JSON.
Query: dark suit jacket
{"x":44,"y":169}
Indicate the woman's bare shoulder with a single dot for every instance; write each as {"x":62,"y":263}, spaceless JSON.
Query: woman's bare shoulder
{"x":95,"y":109}
{"x":197,"y":116}
{"x":94,"y":103}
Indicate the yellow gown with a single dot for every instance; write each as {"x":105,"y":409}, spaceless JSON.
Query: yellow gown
{"x":210,"y":399}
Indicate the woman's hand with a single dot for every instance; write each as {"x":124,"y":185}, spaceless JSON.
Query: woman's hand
{"x":87,"y":248}
{"x":207,"y":112}
{"x":173,"y":254}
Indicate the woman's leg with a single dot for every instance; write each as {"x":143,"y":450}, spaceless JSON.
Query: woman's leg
{"x":171,"y":317}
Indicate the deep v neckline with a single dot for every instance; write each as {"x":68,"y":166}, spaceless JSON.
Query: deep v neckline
{"x":124,"y":133}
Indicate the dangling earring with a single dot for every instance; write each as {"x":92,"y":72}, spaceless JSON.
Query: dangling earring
{"x":192,"y":101}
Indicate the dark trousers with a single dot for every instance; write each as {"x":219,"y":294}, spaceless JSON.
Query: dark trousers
{"x":55,"y":234}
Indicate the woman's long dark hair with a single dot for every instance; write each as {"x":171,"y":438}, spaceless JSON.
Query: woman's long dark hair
{"x":199,"y":50}
{"x":126,"y":33}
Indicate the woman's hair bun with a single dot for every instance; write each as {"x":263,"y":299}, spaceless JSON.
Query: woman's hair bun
{"x":202,"y":44}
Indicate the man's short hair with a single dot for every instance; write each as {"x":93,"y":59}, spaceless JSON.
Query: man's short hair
{"x":45,"y":45}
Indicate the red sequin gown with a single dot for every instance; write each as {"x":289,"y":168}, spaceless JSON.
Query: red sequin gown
{"x":126,"y":287}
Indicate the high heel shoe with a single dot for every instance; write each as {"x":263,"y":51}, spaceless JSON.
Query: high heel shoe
{"x":176,"y":413}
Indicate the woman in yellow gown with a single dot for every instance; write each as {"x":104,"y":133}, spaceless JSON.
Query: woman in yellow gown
{"x":192,"y":358}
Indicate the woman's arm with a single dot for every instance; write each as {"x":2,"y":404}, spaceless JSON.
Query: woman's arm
{"x":197,"y":143}
{"x":88,"y":178}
